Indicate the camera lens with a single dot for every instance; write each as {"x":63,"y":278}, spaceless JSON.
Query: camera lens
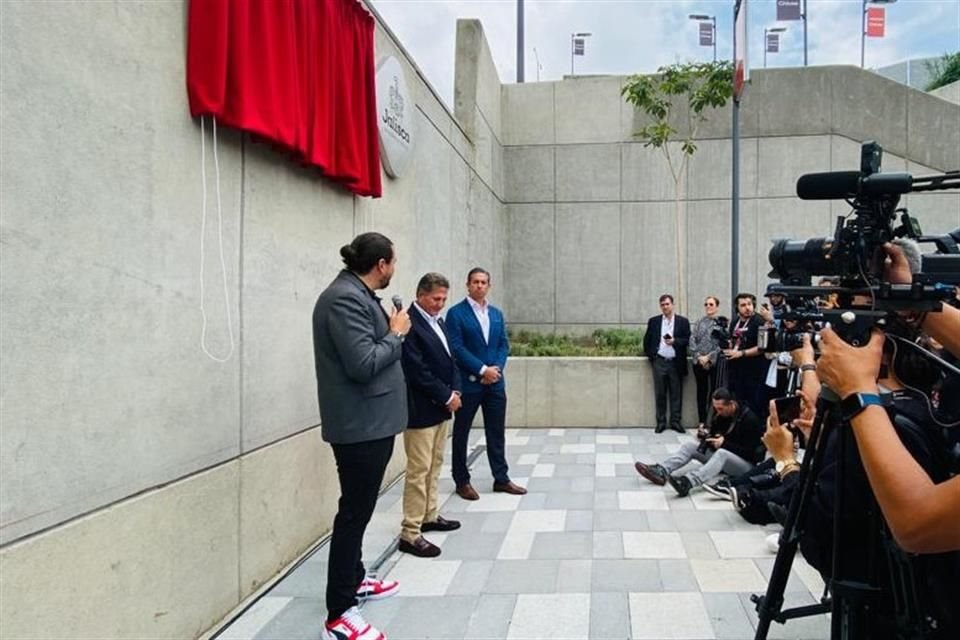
{"x":798,"y":257}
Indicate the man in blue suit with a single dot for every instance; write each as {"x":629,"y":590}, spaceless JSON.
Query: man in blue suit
{"x":478,"y":340}
{"x":433,"y":394}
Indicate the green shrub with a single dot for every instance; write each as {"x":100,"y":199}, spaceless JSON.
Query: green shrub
{"x":602,"y":343}
{"x":944,"y":70}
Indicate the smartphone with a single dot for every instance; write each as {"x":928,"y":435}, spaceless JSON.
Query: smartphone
{"x":788,"y":408}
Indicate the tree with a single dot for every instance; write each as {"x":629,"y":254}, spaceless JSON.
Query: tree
{"x":943,"y":71}
{"x":703,"y":86}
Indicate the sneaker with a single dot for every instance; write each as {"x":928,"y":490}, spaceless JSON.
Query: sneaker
{"x":351,"y":626}
{"x":773,"y":542}
{"x":652,"y":472}
{"x":680,"y":484}
{"x":373,"y":589}
{"x":738,"y":498}
{"x":718,"y":490}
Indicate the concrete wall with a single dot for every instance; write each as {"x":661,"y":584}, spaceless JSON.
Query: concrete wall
{"x":593,"y":227}
{"x":950,"y":92}
{"x":147,"y":489}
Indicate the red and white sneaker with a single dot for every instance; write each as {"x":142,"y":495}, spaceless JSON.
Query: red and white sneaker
{"x":374,"y":589}
{"x":351,"y":626}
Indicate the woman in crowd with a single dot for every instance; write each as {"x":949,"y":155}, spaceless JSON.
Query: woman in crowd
{"x":704,"y":349}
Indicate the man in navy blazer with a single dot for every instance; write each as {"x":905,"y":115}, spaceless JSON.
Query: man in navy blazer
{"x":478,"y":339}
{"x":665,"y":344}
{"x":433,"y":394}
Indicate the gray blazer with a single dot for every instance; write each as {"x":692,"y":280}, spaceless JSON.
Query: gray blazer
{"x":360,"y":381}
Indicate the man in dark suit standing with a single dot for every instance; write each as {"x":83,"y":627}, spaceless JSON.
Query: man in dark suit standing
{"x":478,"y":339}
{"x":363,"y":405}
{"x":665,"y":344}
{"x":433,"y":393}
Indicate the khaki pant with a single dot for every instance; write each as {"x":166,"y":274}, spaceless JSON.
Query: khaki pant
{"x":424,"y":449}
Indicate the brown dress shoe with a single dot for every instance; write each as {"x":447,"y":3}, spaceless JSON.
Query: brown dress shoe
{"x":421,"y":547}
{"x":467,"y":492}
{"x":440,"y":524}
{"x":509,"y":487}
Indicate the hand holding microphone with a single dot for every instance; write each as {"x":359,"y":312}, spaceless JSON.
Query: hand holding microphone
{"x":399,"y":319}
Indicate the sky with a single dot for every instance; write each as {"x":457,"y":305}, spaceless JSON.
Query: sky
{"x":637,"y":36}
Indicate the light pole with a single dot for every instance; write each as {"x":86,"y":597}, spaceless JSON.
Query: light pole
{"x":804,"y":16}
{"x":520,"y":62}
{"x":573,"y":38}
{"x":863,"y":26}
{"x":539,"y":66}
{"x":701,"y":17}
{"x":765,"y":32}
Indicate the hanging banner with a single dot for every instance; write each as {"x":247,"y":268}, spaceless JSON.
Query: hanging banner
{"x":875,"y":22}
{"x":578,"y":46}
{"x":773,"y":43}
{"x":741,"y":68}
{"x":706,"y":34}
{"x":788,"y":10}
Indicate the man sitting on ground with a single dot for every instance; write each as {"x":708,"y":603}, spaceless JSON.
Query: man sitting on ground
{"x":731,"y":446}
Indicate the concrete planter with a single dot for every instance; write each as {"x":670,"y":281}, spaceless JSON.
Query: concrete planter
{"x":586,"y":392}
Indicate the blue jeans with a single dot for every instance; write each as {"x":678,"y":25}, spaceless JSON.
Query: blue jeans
{"x":493,"y":401}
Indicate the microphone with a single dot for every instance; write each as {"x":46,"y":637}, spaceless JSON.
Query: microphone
{"x":911,"y":251}
{"x":397,"y":302}
{"x":836,"y":185}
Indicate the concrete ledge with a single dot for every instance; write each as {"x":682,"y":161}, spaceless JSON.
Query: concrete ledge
{"x":586,"y":392}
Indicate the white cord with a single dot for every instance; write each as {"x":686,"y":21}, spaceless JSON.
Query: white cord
{"x":203,"y":230}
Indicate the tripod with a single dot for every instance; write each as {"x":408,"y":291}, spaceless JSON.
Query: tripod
{"x":850,"y":600}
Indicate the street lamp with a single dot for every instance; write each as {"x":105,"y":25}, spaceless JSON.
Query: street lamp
{"x":702,"y":17}
{"x":765,"y":32}
{"x":539,"y":66}
{"x":863,"y":25}
{"x":573,"y":39}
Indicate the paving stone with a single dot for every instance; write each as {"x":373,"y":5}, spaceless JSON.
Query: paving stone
{"x":528,"y":458}
{"x":642,"y":500}
{"x":533,"y":501}
{"x":495,"y":522}
{"x":495,"y":502}
{"x":797,"y":629}
{"x":650,"y":544}
{"x":741,"y":544}
{"x":579,"y":520}
{"x":300,"y":619}
{"x":621,"y":520}
{"x":607,"y":544}
{"x":562,"y":545}
{"x":610,"y":439}
{"x":734,"y":575}
{"x":574,"y":576}
{"x":424,"y":576}
{"x":582,"y":484}
{"x":560,"y":615}
{"x":699,"y":545}
{"x":309,"y":580}
{"x":624,"y":576}
{"x":472,"y":546}
{"x":609,"y":616}
{"x":616,"y":484}
{"x":676,"y":575}
{"x":491,"y":617}
{"x":606,"y":500}
{"x":727,"y":616}
{"x":418,"y":618}
{"x":523,"y":576}
{"x":256,"y":618}
{"x":569,"y":500}
{"x":573,"y":470}
{"x":546,"y":485}
{"x":656,"y":616}
{"x":543,"y":470}
{"x":470,"y":577}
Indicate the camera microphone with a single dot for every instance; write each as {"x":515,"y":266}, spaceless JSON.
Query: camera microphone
{"x":397,"y":301}
{"x":836,"y":185}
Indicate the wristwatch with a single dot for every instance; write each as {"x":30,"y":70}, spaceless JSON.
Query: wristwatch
{"x":399,"y":335}
{"x":854,"y":403}
{"x":783,"y":464}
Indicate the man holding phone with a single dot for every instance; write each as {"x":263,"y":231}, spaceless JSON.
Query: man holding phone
{"x":665,"y":344}
{"x":731,"y":445}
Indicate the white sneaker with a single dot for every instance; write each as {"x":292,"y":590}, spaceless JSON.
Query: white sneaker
{"x":351,"y":626}
{"x":375,"y":589}
{"x":773,"y":542}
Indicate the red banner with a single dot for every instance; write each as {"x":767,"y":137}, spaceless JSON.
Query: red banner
{"x":875,"y":22}
{"x":299,"y":73}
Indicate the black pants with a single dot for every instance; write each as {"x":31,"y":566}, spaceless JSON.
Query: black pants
{"x":360,"y":467}
{"x":667,"y":383}
{"x":706,"y":383}
{"x":493,"y":401}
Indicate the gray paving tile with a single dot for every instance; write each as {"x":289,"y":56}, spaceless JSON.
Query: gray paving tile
{"x":624,"y":576}
{"x":617,"y":484}
{"x":523,"y":576}
{"x":622,"y":520}
{"x":579,"y":520}
{"x":550,"y":544}
{"x":794,"y":583}
{"x":496,"y":521}
{"x":473,"y":546}
{"x":432,"y":617}
{"x":582,"y":484}
{"x":676,"y":575}
{"x":573,"y":470}
{"x":556,"y":500}
{"x":727,"y":616}
{"x":470,"y":577}
{"x":607,"y":544}
{"x":609,"y":616}
{"x":309,"y":580}
{"x":301,"y":619}
{"x":574,"y":576}
{"x":661,"y":521}
{"x":700,"y":520}
{"x":606,"y":500}
{"x":558,"y":458}
{"x":491,"y":617}
{"x":698,"y":544}
{"x":547,"y":485}
{"x":534,"y":501}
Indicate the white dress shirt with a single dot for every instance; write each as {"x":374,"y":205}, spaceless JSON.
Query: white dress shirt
{"x":666,"y":329}
{"x":434,"y":322}
{"x":483,"y":317}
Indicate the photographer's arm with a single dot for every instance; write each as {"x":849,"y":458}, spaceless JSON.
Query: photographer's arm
{"x":922,"y":515}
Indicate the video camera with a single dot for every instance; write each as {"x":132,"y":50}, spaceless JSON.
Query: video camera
{"x":855,"y":255}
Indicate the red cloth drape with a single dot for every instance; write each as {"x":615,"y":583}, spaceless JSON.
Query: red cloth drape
{"x":297,"y":72}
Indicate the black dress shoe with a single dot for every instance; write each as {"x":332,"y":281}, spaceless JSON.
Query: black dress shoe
{"x":660,"y":429}
{"x":440,"y":524}
{"x":677,"y":428}
{"x":421,"y":547}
